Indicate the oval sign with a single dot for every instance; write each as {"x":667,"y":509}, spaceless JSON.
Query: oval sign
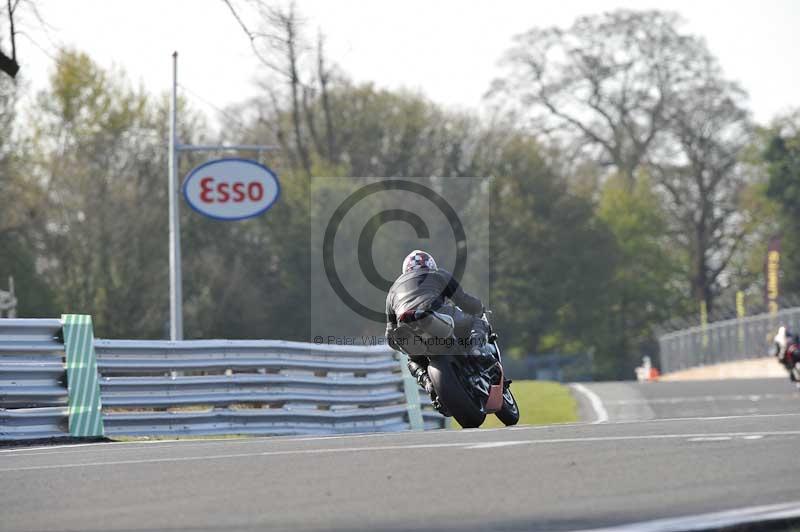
{"x":231,"y":189}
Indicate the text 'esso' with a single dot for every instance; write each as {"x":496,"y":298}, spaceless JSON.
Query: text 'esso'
{"x":231,"y":189}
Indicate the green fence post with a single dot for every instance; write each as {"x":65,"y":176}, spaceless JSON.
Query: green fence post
{"x":83,"y":385}
{"x":412,"y":395}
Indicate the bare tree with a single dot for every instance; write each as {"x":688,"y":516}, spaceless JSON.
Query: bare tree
{"x":644,"y":96}
{"x":280,"y":47}
{"x":607,"y":81}
{"x":324,"y":74}
{"x":288,"y":23}
{"x":17,"y":17}
{"x":700,"y":169}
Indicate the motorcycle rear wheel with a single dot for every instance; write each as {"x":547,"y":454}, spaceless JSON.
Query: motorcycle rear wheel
{"x":452,"y":394}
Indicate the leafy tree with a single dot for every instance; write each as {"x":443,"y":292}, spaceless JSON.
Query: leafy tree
{"x":782,"y":157}
{"x":101,"y":158}
{"x":35,"y":299}
{"x":552,"y":260}
{"x":17,"y":194}
{"x":22,"y":208}
{"x":643,"y":292}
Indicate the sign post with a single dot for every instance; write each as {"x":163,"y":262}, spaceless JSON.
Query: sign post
{"x":175,"y":281}
{"x":773,"y":274}
{"x":740,"y":314}
{"x":8,"y":301}
{"x":175,"y":148}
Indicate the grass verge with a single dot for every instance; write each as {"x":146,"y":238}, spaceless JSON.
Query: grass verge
{"x":540,"y":403}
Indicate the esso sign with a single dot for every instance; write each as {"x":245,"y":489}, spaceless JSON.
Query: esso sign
{"x":231,"y":189}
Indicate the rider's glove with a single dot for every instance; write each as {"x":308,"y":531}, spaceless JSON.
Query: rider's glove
{"x":390,"y":337}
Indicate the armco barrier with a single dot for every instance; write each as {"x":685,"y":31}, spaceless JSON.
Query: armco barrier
{"x":33,"y":386}
{"x":254,"y":387}
{"x":156,"y":388}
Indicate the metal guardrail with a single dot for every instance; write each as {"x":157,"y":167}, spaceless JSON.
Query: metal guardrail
{"x":251,"y":387}
{"x":158,"y":388}
{"x":724,"y":341}
{"x":33,"y":390}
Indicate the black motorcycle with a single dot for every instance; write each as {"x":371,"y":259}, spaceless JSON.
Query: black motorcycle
{"x":467,"y":387}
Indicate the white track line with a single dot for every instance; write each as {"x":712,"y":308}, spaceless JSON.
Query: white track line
{"x":600,"y":413}
{"x":233,"y":455}
{"x":495,"y":444}
{"x":72,"y":448}
{"x":460,"y":445}
{"x":753,"y":398}
{"x":712,"y":521}
{"x":185,"y":442}
{"x":705,"y":418}
{"x":191,"y":442}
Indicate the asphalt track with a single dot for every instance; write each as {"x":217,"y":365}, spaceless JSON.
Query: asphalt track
{"x":633,"y":401}
{"x":564,"y":477}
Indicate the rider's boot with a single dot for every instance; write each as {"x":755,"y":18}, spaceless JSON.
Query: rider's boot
{"x":420,"y":373}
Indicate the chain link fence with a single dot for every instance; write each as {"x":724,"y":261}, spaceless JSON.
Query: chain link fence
{"x":724,"y":341}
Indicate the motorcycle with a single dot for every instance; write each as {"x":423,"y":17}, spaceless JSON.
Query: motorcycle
{"x":786,"y":348}
{"x":466,"y":387}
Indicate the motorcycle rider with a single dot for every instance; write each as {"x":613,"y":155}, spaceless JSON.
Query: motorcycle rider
{"x":787,"y":351}
{"x":422,"y":286}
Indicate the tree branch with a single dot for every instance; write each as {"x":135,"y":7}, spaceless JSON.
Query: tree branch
{"x":731,"y":252}
{"x":9,"y":65}
{"x":252,"y":37}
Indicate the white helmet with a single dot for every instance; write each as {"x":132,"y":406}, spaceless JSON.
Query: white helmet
{"x":417,"y":260}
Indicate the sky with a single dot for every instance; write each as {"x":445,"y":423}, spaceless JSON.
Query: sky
{"x":447,"y":49}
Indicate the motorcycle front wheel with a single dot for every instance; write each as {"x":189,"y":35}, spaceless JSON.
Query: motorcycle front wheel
{"x":509,"y":414}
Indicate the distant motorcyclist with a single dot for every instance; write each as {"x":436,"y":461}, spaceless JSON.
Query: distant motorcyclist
{"x":787,"y":351}
{"x":425,"y":292}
